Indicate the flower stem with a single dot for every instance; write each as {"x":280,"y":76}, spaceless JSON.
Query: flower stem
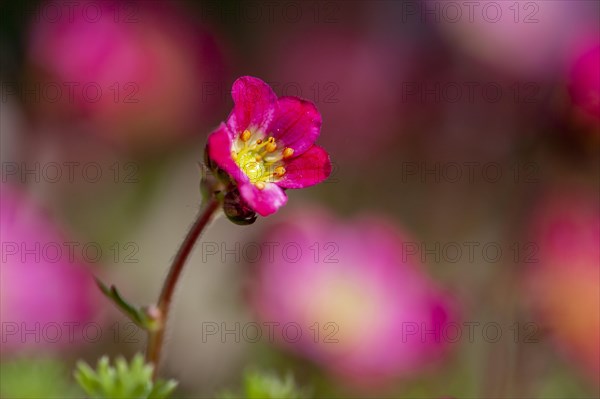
{"x":156,"y":338}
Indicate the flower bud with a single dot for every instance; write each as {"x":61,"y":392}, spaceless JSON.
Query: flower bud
{"x":237,"y":210}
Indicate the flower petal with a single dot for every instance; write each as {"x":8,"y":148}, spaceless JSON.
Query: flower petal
{"x":254,"y":106}
{"x":219,"y":150}
{"x":265,"y":201}
{"x":310,"y":168}
{"x":297,"y":124}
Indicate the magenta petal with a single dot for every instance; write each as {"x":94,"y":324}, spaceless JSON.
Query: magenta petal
{"x":296,"y":124}
{"x":265,"y":201}
{"x":219,"y":150}
{"x":310,"y":168}
{"x":254,"y":105}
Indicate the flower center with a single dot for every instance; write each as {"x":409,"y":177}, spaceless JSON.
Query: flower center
{"x":260,"y":158}
{"x":346,"y":303}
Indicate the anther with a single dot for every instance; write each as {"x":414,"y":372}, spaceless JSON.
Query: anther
{"x":279,"y":171}
{"x":288,"y":152}
{"x":260,"y":185}
{"x":271,"y":146}
{"x":245,"y":136}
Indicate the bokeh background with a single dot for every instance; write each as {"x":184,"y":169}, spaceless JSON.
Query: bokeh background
{"x":454,"y":251}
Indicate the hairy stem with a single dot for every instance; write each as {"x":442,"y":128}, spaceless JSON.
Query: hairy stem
{"x":156,"y":338}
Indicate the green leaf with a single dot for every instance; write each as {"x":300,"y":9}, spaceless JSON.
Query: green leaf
{"x":264,"y":385}
{"x":36,"y":378}
{"x":162,"y":389}
{"x":123,"y":380}
{"x":143,"y":317}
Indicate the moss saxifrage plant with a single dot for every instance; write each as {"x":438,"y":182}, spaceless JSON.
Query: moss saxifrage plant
{"x":266,"y":146}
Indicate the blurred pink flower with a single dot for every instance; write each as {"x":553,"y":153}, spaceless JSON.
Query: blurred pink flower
{"x":584,"y":85}
{"x":143,"y":73}
{"x":564,"y":286}
{"x":354,"y":80}
{"x":530,"y":38}
{"x":363,"y":311}
{"x":267,"y":145}
{"x":47,"y":297}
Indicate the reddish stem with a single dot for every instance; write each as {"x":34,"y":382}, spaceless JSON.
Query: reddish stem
{"x":156,"y":338}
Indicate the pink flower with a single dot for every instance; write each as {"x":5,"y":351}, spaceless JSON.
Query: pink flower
{"x":585,"y":82}
{"x":47,"y":296}
{"x":564,"y":285}
{"x":360,"y":308}
{"x":267,"y":145}
{"x":141,"y":74}
{"x":529,"y":38}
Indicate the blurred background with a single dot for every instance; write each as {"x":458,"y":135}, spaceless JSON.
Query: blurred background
{"x":453,"y":252}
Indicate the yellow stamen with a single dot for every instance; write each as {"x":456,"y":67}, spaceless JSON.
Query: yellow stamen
{"x":271,"y":147}
{"x":245,"y":136}
{"x":288,"y":152}
{"x":258,"y":158}
{"x":279,"y":171}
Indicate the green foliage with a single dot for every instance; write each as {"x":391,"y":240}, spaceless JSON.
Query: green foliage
{"x":143,"y":317}
{"x":122,"y":381}
{"x":565,"y":383}
{"x":263,"y":385}
{"x":36,"y":378}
